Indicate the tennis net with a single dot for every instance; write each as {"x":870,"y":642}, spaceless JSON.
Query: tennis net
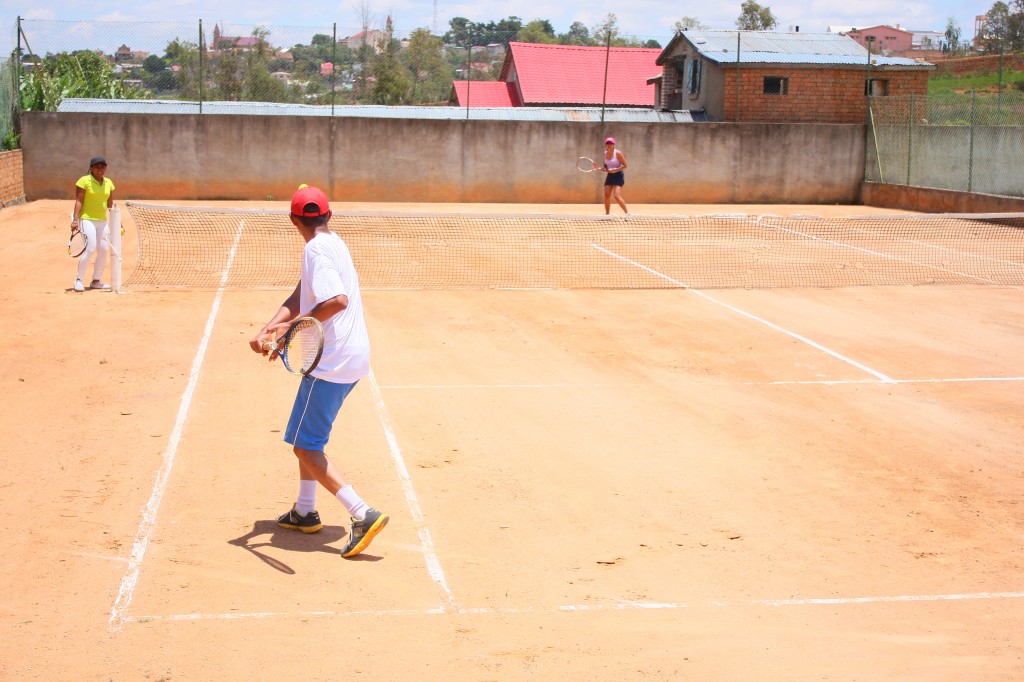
{"x":202,"y":247}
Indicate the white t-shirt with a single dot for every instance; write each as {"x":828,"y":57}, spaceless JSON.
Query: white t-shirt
{"x":327,"y":271}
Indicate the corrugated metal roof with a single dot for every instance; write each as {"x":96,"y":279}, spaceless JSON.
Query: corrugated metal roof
{"x":586,"y":115}
{"x":766,"y":47}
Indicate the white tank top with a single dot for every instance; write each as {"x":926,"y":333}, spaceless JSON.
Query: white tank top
{"x":613,"y":163}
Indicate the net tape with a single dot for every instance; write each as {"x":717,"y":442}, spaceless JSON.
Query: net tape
{"x":204,"y":247}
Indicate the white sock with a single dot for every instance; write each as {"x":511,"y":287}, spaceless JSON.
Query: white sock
{"x":306,"y":501}
{"x":353,"y":503}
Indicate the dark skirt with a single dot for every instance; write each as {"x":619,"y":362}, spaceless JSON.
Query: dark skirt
{"x":616,"y":179}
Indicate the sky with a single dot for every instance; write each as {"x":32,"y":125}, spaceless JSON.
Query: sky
{"x":642,"y":18}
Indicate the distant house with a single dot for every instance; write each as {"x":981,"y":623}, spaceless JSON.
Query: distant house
{"x":536,"y":75}
{"x":233,"y":43}
{"x":126,"y":54}
{"x":374,"y":38}
{"x":782,"y":77}
{"x":888,"y":38}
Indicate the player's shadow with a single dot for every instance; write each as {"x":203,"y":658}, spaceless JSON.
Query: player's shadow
{"x":287,"y":539}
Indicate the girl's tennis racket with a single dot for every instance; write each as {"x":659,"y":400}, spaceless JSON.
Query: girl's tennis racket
{"x":301,"y":346}
{"x":77,"y":244}
{"x":586,"y":164}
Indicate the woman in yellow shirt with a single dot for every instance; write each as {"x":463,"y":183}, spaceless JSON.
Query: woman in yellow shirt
{"x":94,"y":194}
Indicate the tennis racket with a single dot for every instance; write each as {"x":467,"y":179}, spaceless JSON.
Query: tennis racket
{"x":77,"y":244}
{"x":301,"y":346}
{"x":586,"y":164}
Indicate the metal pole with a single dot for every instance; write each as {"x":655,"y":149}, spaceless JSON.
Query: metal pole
{"x":910,"y":135}
{"x":999,"y":90}
{"x":970,"y":153}
{"x":869,"y":128}
{"x":738,"y":35}
{"x":200,"y":66}
{"x":469,"y":70}
{"x":607,"y":54}
{"x":334,"y":62}
{"x":17,"y":71}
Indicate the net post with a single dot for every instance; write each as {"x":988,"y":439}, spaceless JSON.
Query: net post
{"x":115,"y":246}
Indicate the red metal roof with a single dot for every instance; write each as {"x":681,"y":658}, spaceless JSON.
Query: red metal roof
{"x":571,"y":74}
{"x":486,"y":94}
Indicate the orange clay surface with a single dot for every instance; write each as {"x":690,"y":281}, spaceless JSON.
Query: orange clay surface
{"x":738,"y":485}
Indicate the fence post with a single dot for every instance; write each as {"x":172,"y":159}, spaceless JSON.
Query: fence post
{"x":970,"y":151}
{"x":200,"y":66}
{"x":739,"y":34}
{"x":910,"y":136}
{"x":334,"y":63}
{"x":607,"y":54}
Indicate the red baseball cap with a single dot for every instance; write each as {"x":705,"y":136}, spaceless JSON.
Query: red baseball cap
{"x":310,"y":202}
{"x":610,"y":140}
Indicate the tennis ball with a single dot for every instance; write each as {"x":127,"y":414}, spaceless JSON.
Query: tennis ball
{"x":303,"y":186}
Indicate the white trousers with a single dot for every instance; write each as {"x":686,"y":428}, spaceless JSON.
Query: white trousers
{"x":97,"y":234}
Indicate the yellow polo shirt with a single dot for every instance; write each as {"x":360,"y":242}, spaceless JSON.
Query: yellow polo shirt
{"x":94,"y":204}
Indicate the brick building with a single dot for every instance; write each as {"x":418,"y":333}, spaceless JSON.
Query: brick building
{"x":779,"y":77}
{"x":883,"y":38}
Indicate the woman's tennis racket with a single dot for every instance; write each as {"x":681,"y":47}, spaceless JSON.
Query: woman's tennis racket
{"x":586,"y":164}
{"x":301,"y":346}
{"x":77,"y":244}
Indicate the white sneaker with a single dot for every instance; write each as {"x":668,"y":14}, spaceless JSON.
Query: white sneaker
{"x":96,"y":284}
{"x":78,"y":285}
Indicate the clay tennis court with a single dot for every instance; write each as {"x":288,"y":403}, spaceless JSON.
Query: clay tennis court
{"x":584,"y":484}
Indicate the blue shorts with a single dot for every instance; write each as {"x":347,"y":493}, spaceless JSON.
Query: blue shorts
{"x":316,"y":407}
{"x":616,"y":179}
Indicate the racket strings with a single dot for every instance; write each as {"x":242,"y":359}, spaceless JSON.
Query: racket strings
{"x":302,"y":348}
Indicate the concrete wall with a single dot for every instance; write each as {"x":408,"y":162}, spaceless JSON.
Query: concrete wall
{"x":260,"y":157}
{"x":927,"y":200}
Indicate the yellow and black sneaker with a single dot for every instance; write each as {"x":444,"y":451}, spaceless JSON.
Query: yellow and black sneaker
{"x":310,"y":523}
{"x":364,"y":531}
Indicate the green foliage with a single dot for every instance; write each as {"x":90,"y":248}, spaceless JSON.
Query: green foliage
{"x":431,"y":74}
{"x":754,"y":17}
{"x":79,"y":74}
{"x":975,"y":82}
{"x":393,"y":85}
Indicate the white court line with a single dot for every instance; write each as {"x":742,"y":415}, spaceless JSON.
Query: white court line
{"x":864,"y":368}
{"x":433,"y":563}
{"x":119,"y":612}
{"x":780,"y":382}
{"x":622,"y":605}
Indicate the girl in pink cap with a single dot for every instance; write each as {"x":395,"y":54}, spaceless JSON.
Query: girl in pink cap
{"x":614,"y":165}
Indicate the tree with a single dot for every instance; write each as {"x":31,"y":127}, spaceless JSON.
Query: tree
{"x":1004,"y":27}
{"x":79,"y":74}
{"x":578,"y":34}
{"x":154,"y":64}
{"x":607,"y":32}
{"x":688,"y":23}
{"x":431,"y":74}
{"x":393,"y":85}
{"x":754,"y":17}
{"x":952,"y":43}
{"x":537,"y":31}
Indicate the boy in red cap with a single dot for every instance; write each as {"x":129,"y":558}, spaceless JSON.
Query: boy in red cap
{"x":328,"y":290}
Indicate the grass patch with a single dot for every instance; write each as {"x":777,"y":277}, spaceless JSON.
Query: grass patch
{"x":1013,"y":81}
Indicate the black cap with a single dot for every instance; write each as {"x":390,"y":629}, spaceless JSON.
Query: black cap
{"x":97,"y":159}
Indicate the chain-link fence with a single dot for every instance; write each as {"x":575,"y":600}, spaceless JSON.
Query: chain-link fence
{"x":531,"y":72}
{"x":970,"y":143}
{"x":489,"y":71}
